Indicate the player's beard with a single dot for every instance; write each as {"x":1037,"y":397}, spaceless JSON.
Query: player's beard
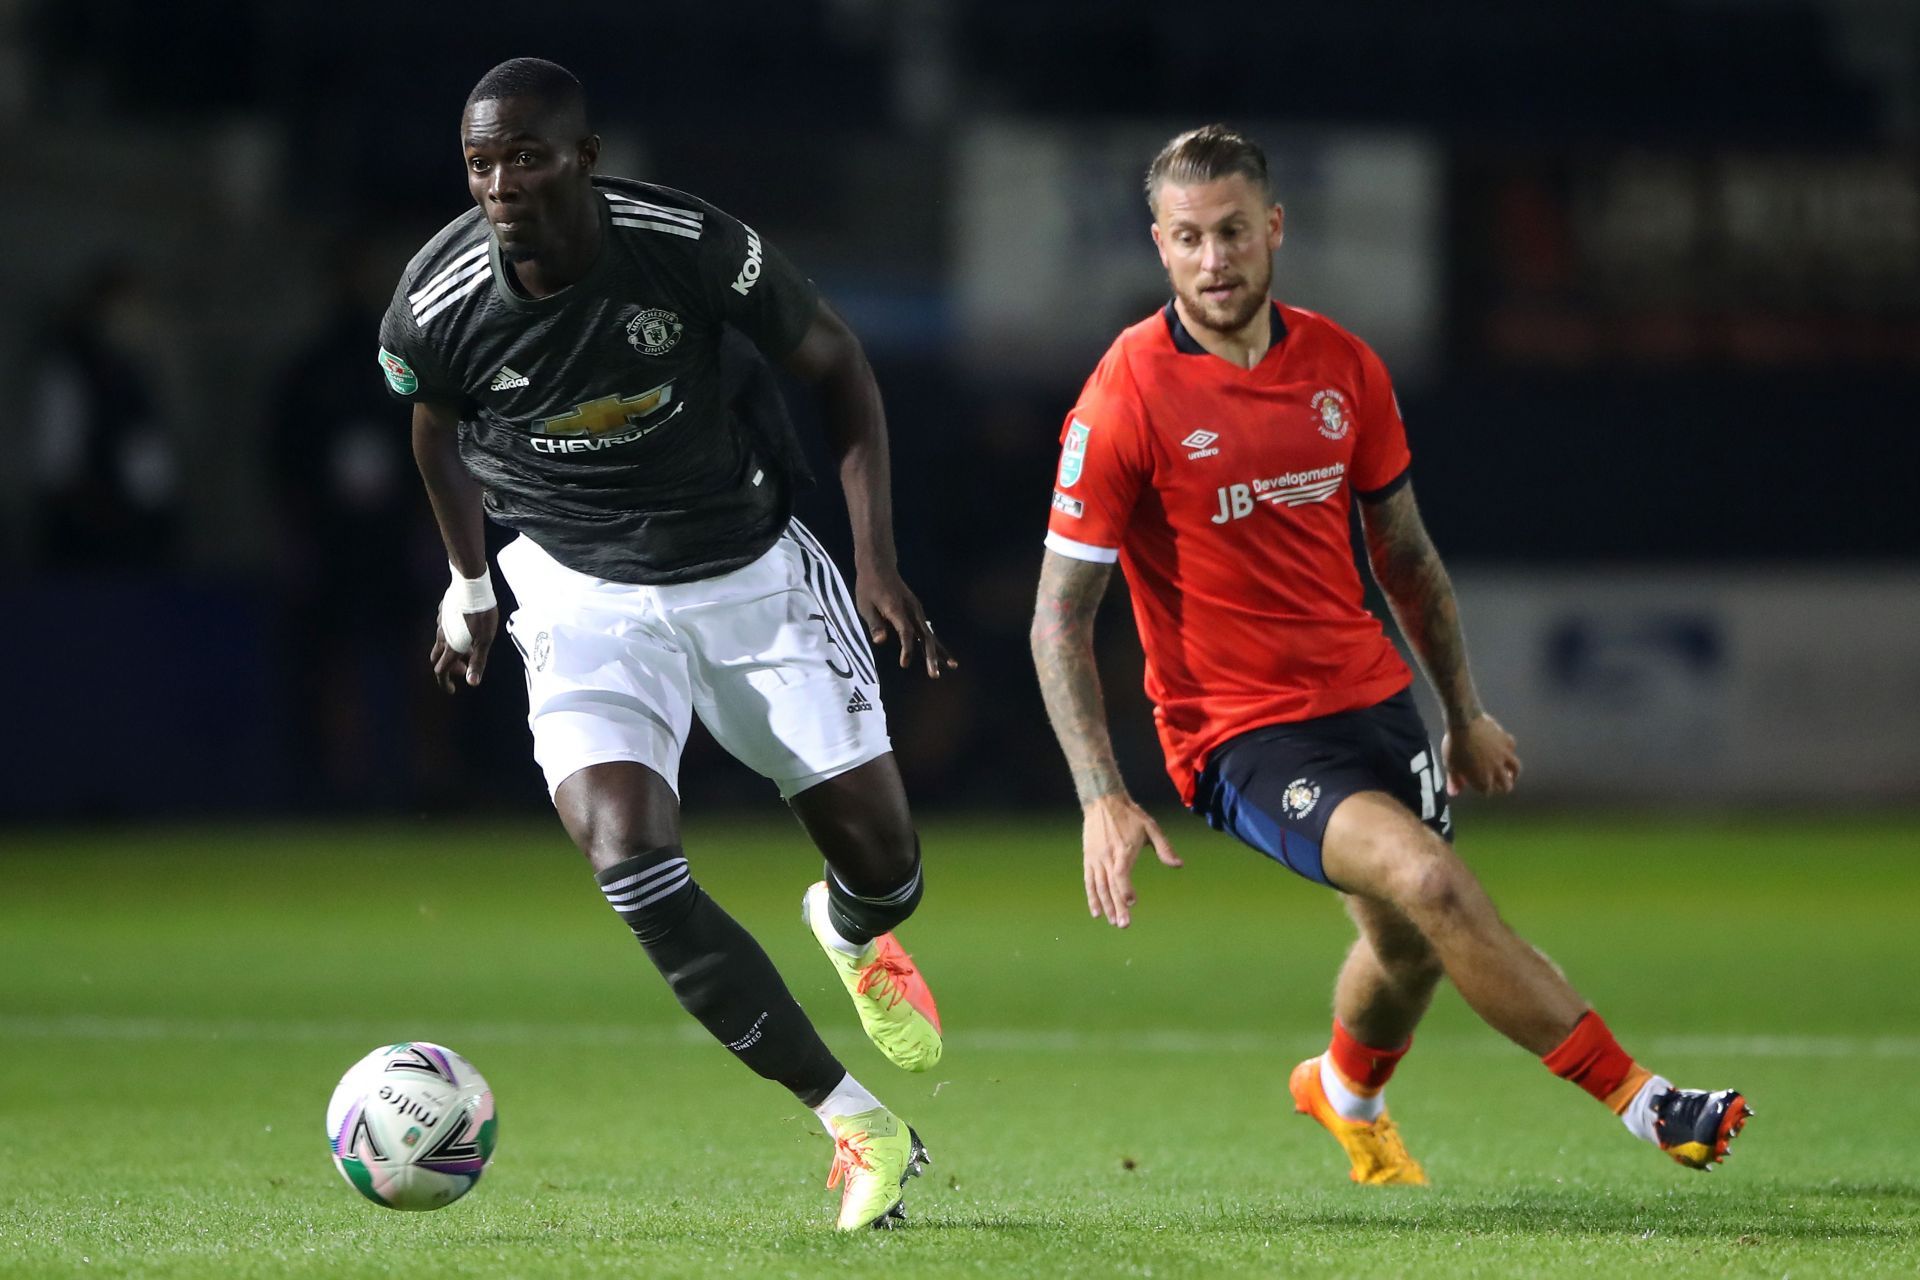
{"x":1237,"y":313}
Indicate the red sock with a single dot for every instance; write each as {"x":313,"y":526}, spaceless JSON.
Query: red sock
{"x":1591,"y":1058}
{"x":1365,"y":1069}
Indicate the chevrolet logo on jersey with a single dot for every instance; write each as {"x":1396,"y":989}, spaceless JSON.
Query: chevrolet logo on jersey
{"x":597,"y":417}
{"x":603,"y":423}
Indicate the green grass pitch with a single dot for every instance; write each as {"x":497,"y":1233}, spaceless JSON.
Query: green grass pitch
{"x":175,"y":1009}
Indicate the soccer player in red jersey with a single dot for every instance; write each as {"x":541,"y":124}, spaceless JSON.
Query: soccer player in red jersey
{"x":1215,"y":453}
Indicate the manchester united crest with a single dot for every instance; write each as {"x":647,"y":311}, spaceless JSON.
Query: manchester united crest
{"x":654,"y":332}
{"x":1335,"y":418}
{"x":1299,"y":798}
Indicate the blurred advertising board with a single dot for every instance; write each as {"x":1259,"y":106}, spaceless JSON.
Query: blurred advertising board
{"x":1735,"y":259}
{"x":1052,"y":254}
{"x":1784,"y":687}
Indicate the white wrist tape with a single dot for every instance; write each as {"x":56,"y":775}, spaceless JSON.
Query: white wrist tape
{"x":464,"y":596}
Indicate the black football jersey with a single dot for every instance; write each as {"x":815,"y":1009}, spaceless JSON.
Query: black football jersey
{"x":603,"y":422}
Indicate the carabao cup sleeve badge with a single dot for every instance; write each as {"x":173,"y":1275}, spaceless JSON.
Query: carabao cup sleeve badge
{"x":1073,"y":457}
{"x":400,"y":375}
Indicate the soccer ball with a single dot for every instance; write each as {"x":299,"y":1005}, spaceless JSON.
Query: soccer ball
{"x":411,"y":1126}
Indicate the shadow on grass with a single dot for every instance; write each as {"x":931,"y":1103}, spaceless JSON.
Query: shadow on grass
{"x":1824,"y":1212}
{"x":1885,"y":1212}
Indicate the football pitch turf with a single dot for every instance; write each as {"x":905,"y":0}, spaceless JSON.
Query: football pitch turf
{"x":175,"y":1008}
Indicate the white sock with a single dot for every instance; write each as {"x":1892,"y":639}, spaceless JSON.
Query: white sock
{"x":840,"y":944}
{"x":1638,"y":1117}
{"x":849,"y":1098}
{"x":831,"y":936}
{"x":1347,"y":1104}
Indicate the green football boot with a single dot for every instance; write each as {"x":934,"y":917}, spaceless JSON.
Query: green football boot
{"x":895,"y":1007}
{"x":874,"y":1153}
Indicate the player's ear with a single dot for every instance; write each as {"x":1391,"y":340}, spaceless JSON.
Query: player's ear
{"x":1276,"y":226}
{"x":1158,"y":244}
{"x":590,"y":152}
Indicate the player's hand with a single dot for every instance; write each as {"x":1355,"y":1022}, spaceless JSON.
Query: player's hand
{"x":1113,"y":831}
{"x":885,"y":601}
{"x":1481,"y":755}
{"x":452,"y":668}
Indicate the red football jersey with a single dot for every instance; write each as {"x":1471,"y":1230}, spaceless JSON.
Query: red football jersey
{"x":1225,"y":495}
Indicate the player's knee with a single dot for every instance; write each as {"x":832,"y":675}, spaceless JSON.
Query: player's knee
{"x":617,"y":811}
{"x":611,"y":835}
{"x":891,"y":863}
{"x":872,"y":855}
{"x":652,"y":891}
{"x":882,"y":894}
{"x":608,"y":838}
{"x":1432,"y":884}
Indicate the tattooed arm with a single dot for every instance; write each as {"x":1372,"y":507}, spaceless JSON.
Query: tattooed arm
{"x":1113,"y":828}
{"x":1408,"y":569}
{"x":1062,"y":636}
{"x":1478,"y":752}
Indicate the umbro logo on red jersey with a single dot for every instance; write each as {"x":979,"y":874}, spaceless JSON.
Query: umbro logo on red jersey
{"x":1201,"y":442}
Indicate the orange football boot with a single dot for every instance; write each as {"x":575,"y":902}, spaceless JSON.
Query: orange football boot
{"x":1379,"y":1156}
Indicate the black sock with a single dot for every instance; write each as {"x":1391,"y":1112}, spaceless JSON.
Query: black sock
{"x":719,"y":973}
{"x":860,"y":918}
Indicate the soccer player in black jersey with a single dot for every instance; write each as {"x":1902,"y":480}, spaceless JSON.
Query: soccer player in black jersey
{"x":562,"y":345}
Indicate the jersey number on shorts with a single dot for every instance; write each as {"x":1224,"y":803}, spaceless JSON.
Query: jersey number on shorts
{"x":833,"y":646}
{"x":1427,"y":770}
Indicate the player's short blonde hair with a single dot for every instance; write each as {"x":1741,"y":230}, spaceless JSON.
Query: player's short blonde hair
{"x":1206,"y":154}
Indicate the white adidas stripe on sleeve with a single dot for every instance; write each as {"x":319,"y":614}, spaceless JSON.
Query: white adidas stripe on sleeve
{"x":671,"y":228}
{"x":479,"y":278}
{"x":447,"y":273}
{"x":630,"y":206}
{"x":426,"y":305}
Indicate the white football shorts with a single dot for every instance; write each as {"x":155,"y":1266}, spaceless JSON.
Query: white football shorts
{"x":772,"y":657}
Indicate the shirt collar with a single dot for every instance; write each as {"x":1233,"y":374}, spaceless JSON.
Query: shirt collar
{"x":1186,"y":344}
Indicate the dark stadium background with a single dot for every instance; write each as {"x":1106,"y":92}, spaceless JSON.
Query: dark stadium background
{"x":1670,"y":339}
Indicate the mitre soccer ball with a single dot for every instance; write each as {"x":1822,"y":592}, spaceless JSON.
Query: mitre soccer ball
{"x":411,"y":1126}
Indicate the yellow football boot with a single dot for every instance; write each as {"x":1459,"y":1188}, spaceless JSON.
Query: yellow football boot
{"x":895,"y":1007}
{"x":1379,"y":1157}
{"x":874,"y":1153}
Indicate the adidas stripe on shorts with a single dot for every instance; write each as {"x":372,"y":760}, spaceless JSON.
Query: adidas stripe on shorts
{"x":772,"y":657}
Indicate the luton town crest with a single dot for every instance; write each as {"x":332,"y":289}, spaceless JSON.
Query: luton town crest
{"x":1298,"y":799}
{"x":654,"y":332}
{"x":1332,"y":408}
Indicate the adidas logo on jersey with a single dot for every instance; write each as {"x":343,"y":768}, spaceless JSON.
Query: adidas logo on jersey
{"x":507,"y":380}
{"x":858,"y":702}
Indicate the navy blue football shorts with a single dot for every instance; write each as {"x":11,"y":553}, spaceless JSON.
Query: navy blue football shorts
{"x":1274,"y":787}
